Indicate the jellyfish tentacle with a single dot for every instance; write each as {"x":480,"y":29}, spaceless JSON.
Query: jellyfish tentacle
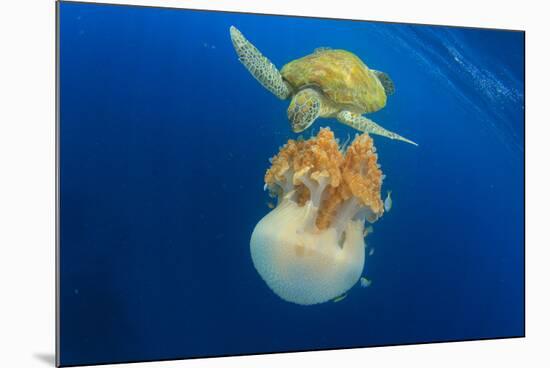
{"x":348,"y":209}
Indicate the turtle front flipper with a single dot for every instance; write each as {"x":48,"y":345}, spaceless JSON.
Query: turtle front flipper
{"x":304,"y":109}
{"x":363,"y":124}
{"x":258,"y":65}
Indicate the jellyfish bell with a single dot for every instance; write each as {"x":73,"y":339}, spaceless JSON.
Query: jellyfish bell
{"x":305,"y":266}
{"x":310,"y":248}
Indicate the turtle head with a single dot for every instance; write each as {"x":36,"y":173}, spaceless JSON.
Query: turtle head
{"x":386,"y":81}
{"x":304,"y":109}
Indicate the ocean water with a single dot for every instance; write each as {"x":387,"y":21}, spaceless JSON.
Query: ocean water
{"x":164,"y":142}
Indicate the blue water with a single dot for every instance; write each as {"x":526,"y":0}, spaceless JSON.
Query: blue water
{"x":164,"y":142}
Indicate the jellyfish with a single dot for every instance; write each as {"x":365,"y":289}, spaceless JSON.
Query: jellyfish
{"x":310,"y":248}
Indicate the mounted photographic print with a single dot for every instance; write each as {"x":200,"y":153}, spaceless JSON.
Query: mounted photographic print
{"x":233,"y":183}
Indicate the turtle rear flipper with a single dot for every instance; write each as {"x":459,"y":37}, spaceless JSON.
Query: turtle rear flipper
{"x":363,"y":124}
{"x":386,"y":81}
{"x":258,"y":65}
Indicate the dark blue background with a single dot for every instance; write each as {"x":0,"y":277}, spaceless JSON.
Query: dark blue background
{"x":165,"y":138}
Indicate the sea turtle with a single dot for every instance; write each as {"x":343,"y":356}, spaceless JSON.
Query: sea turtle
{"x":327,"y":83}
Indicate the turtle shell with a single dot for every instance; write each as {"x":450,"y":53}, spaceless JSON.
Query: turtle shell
{"x":342,"y":77}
